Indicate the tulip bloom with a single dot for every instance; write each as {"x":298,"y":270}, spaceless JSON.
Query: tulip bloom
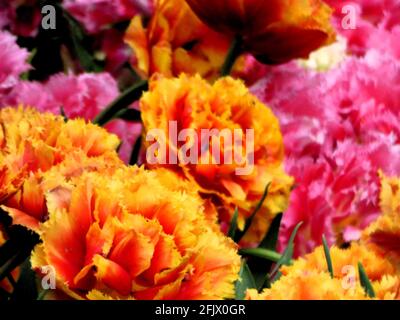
{"x":34,"y":144}
{"x":385,"y":231}
{"x":27,"y":206}
{"x":135,"y":235}
{"x":309,"y":279}
{"x":234,"y":165}
{"x":175,"y":41}
{"x":274,"y":31}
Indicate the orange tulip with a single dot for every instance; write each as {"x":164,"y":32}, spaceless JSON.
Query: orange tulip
{"x":308,"y":286}
{"x":227,"y":107}
{"x":274,"y":31}
{"x":27,"y":206}
{"x":385,"y":231}
{"x":33,"y":144}
{"x":175,"y":41}
{"x":308,"y":277}
{"x":133,"y":236}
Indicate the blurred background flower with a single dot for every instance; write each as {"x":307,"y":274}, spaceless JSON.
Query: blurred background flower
{"x":340,"y":127}
{"x":13,"y":61}
{"x":78,"y":96}
{"x":176,"y":41}
{"x":273,"y":31}
{"x":308,"y":278}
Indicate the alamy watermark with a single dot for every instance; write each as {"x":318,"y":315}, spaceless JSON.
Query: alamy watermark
{"x":49,"y":277}
{"x":203,"y":147}
{"x":49,"y":19}
{"x":349,"y":20}
{"x":349,"y":280}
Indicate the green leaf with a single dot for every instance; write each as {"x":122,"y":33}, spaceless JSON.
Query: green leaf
{"x":327,"y":256}
{"x":10,"y":265}
{"x":25,"y":75}
{"x":136,"y":152}
{"x":62,"y":113}
{"x":233,"y":226}
{"x":234,"y":52}
{"x":271,"y":239}
{"x":119,"y":147}
{"x":131,"y":115}
{"x":42,"y":294}
{"x":249,"y":221}
{"x":16,"y":249}
{"x":365,"y":282}
{"x":122,"y":102}
{"x":261,"y":265}
{"x":85,"y":58}
{"x":287,"y":255}
{"x":246,"y":281}
{"x":262,"y":253}
{"x":25,"y":288}
{"x":78,"y":36}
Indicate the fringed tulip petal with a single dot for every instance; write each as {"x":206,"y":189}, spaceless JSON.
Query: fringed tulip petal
{"x":227,"y":108}
{"x":133,"y":251}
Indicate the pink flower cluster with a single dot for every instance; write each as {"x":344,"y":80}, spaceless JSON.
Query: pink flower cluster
{"x":83,"y":95}
{"x":12,"y":61}
{"x":21,"y":17}
{"x":97,"y":14}
{"x":340,"y":128}
{"x":376,"y":25}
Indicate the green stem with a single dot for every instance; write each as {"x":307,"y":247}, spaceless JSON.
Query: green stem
{"x":365,"y":282}
{"x":122,"y":102}
{"x":135,"y":152}
{"x":249,"y":221}
{"x":262,"y":253}
{"x":9,"y":266}
{"x":328,"y":256}
{"x":42,"y":295}
{"x":233,"y":53}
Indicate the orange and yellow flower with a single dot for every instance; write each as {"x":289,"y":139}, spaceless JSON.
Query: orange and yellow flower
{"x":274,"y":31}
{"x":113,"y":239}
{"x":374,"y":261}
{"x":308,"y":278}
{"x":33,"y":144}
{"x":385,"y":231}
{"x":320,"y":286}
{"x":175,"y":41}
{"x":26,"y":138}
{"x":308,"y":286}
{"x":28,"y":207}
{"x":227,"y":107}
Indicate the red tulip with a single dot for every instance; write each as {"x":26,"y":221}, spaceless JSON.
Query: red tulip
{"x":275,"y":31}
